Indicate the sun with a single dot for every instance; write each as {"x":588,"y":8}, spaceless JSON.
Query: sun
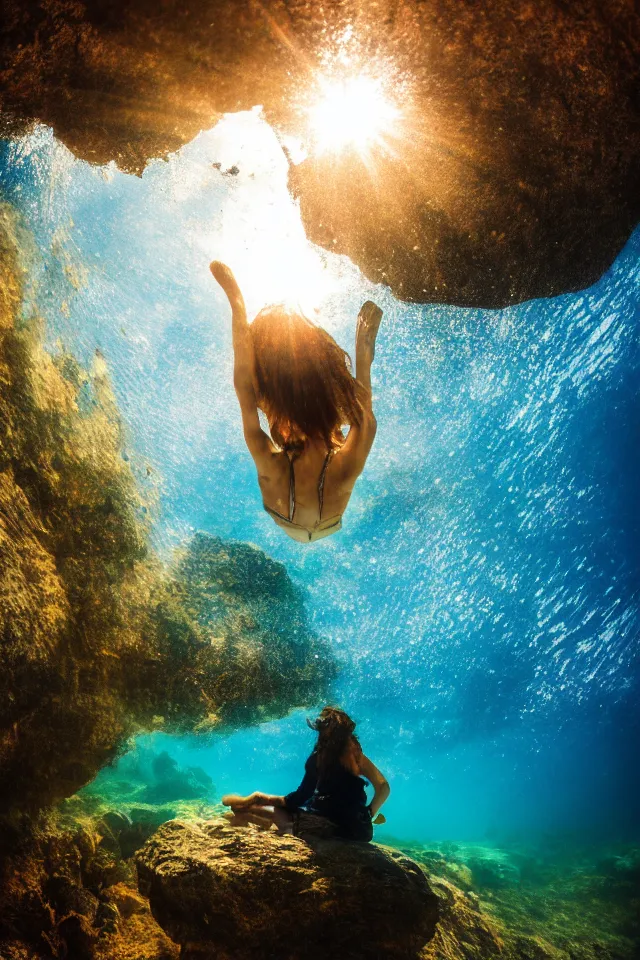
{"x":353,"y":112}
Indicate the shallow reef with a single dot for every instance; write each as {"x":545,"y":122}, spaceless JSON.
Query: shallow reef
{"x":554,"y":897}
{"x":146,"y":776}
{"x":72,"y":889}
{"x":99,"y":638}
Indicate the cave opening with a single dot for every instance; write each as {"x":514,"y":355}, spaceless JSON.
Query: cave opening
{"x":483,"y":551}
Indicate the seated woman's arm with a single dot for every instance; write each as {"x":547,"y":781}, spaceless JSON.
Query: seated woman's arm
{"x":367,"y":327}
{"x":290,"y":802}
{"x":377,"y":780}
{"x":298,"y":797}
{"x":257,"y":441}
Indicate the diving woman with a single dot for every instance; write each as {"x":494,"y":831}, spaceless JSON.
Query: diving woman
{"x":331,"y":799}
{"x":296,"y":373}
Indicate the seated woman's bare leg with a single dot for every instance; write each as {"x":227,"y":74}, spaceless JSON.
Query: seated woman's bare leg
{"x":263,"y":817}
{"x":237,"y":802}
{"x":256,"y":815}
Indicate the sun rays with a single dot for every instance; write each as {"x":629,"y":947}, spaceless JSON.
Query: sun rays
{"x":353,"y":112}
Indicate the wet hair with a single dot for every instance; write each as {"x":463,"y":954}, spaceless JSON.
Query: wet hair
{"x":304,"y":382}
{"x":335,"y":732}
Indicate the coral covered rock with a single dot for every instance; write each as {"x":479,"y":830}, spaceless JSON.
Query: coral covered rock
{"x":464,"y":930}
{"x":97,"y":638}
{"x":251,"y":652}
{"x":67,"y":890}
{"x":70,"y":889}
{"x":513,"y":172}
{"x":227,"y":892}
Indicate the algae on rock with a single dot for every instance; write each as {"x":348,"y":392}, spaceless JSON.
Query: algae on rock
{"x":223,"y":891}
{"x":97,"y":638}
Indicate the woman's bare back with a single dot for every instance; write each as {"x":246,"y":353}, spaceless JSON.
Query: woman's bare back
{"x":307,"y":496}
{"x":309,"y":488}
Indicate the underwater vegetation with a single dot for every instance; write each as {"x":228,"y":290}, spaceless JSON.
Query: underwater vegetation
{"x":556,"y":897}
{"x":145,"y":777}
{"x":72,"y":889}
{"x":98,"y":638}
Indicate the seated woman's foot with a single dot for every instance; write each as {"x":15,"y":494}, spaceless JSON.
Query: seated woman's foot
{"x":243,"y":818}
{"x":237,"y":819}
{"x":235,"y":801}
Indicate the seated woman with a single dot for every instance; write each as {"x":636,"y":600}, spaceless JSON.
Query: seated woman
{"x":299,"y":377}
{"x":331,"y":800}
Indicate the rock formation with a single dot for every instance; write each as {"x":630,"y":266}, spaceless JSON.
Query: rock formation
{"x":220,"y":891}
{"x":70,"y":889}
{"x":97,"y":639}
{"x":514,"y":172}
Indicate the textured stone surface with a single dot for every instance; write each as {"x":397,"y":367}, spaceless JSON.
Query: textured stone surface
{"x":518,"y":172}
{"x":464,"y":931}
{"x":97,"y":638}
{"x":225,"y":892}
{"x":67,"y":890}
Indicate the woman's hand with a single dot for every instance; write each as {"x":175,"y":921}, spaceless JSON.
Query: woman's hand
{"x":224,"y":275}
{"x":367,"y":328}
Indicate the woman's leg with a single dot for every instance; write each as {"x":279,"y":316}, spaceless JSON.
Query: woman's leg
{"x":237,"y":802}
{"x":263,"y":817}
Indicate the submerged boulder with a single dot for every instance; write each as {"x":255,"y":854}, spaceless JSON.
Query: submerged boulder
{"x":222,"y":892}
{"x":464,"y":930}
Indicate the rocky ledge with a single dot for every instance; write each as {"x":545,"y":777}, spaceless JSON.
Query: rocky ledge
{"x":223,"y":892}
{"x":514,"y":173}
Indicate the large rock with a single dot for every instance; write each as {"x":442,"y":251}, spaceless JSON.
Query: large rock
{"x":465,"y":931}
{"x":224,"y":892}
{"x":517,"y":171}
{"x":97,"y":638}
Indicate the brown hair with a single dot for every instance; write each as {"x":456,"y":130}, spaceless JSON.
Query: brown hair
{"x":335,"y":732}
{"x":304,"y":381}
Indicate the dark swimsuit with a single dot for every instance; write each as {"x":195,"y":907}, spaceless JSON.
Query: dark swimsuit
{"x":338,"y":798}
{"x":323,"y":528}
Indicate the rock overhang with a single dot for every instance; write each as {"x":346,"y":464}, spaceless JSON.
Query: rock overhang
{"x":518,"y":171}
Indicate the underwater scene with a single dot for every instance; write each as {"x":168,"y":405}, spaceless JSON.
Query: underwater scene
{"x":164,"y":641}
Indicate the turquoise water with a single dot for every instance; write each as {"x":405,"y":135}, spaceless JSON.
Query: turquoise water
{"x":483,"y":595}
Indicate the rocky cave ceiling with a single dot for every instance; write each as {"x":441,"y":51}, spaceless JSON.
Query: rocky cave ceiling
{"x":516,"y":171}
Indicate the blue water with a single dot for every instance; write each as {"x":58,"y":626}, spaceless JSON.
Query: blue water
{"x":483,"y":595}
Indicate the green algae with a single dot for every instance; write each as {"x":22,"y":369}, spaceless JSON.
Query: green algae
{"x":564,"y":900}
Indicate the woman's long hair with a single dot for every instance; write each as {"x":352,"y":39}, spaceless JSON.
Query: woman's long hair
{"x":304,"y":381}
{"x":335,"y":733}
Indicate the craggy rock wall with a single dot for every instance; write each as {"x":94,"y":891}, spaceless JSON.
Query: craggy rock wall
{"x":517,"y":172}
{"x":97,"y":639}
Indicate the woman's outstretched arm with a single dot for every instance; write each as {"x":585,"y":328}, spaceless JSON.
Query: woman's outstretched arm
{"x":367,"y":327}
{"x":243,"y":362}
{"x":357,"y":446}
